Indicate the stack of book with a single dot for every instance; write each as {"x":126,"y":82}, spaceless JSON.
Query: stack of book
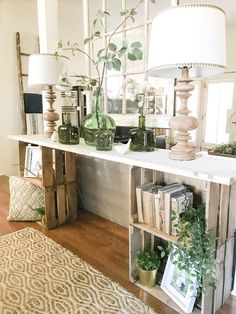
{"x":159,"y":206}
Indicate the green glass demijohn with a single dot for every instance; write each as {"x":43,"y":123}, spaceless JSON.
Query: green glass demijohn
{"x":93,"y":122}
{"x":142,"y":139}
{"x":104,"y":137}
{"x":68,"y":133}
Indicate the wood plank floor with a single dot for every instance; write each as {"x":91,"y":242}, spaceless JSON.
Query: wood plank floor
{"x":99,"y":242}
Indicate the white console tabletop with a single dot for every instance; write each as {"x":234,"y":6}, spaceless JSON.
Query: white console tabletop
{"x":210,"y":168}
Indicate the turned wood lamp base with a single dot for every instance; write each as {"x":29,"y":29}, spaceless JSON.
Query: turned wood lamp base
{"x":183,"y":123}
{"x":50,"y":116}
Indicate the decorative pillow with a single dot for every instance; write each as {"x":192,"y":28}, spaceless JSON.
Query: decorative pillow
{"x":25,"y":198}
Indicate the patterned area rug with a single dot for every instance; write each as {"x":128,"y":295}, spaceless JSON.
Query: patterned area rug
{"x":38,"y":275}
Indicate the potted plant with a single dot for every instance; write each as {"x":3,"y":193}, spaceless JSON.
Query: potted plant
{"x":227,"y":150}
{"x":148,"y":262}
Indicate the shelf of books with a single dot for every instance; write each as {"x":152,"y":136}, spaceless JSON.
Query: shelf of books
{"x":156,"y":201}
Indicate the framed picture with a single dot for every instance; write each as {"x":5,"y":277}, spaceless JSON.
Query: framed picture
{"x":33,"y":161}
{"x":180,"y":285}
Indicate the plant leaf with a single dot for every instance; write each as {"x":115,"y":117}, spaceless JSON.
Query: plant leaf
{"x":132,"y":57}
{"x":122,"y":51}
{"x":112,"y":46}
{"x":153,"y":1}
{"x":133,"y":12}
{"x":87,"y":40}
{"x":138,"y":53}
{"x":136,"y":44}
{"x":97,"y":34}
{"x":116,"y":64}
{"x":109,"y":65}
{"x":60,"y":44}
{"x":100,"y":52}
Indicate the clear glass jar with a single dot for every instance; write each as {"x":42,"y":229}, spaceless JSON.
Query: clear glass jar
{"x":93,"y":122}
{"x":68,"y":133}
{"x":142,"y":139}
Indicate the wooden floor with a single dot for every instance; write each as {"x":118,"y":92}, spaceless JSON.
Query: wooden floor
{"x":101,"y":243}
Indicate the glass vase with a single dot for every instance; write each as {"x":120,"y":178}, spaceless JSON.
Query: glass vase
{"x":68,"y":133}
{"x":93,"y":122}
{"x":104,"y":137}
{"x":142,"y":139}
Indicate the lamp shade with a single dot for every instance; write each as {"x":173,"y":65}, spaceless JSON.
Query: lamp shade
{"x":188,"y":35}
{"x":44,"y":69}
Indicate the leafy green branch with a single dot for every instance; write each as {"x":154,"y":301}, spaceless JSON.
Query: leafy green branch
{"x":109,"y":57}
{"x":195,"y":248}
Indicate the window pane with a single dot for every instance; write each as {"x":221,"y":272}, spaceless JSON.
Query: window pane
{"x":219,"y":101}
{"x":95,"y":47}
{"x":114,"y":94}
{"x":139,"y":18}
{"x":134,"y":86}
{"x":157,"y":7}
{"x":135,"y":35}
{"x":117,"y":40}
{"x":114,"y":7}
{"x":94,"y":6}
{"x":164,"y":95}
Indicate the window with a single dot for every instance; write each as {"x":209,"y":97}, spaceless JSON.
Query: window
{"x":218,"y":105}
{"x":118,"y":100}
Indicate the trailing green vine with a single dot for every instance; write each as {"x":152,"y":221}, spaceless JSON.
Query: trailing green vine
{"x":194,"y":249}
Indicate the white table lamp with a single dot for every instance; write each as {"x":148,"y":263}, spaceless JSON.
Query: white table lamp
{"x":187,"y":41}
{"x":44,"y":70}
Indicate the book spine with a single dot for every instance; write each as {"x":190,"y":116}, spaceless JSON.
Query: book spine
{"x":139,"y":204}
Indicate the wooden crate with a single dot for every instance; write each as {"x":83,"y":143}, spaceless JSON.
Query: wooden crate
{"x":58,"y":182}
{"x":220,"y":203}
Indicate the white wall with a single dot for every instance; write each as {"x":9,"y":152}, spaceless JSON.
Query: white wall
{"x":14,"y":16}
{"x":21,"y":16}
{"x":71,"y":28}
{"x":231,"y":48}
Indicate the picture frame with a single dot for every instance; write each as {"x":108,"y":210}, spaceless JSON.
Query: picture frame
{"x":180,"y":285}
{"x":33,"y":161}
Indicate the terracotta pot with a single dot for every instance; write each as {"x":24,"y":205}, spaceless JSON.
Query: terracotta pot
{"x":147,"y":277}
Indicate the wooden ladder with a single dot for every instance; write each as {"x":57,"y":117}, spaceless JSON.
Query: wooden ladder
{"x":21,"y":81}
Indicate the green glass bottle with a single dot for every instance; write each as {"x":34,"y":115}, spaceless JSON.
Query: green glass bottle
{"x":93,"y":121}
{"x":104,"y":137}
{"x":142,"y":139}
{"x":68,"y":133}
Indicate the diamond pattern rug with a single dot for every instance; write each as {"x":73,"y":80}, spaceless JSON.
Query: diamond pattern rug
{"x":37,"y":275}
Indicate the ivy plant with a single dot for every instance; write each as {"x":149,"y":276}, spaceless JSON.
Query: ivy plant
{"x":194,"y":249}
{"x":110,"y":57}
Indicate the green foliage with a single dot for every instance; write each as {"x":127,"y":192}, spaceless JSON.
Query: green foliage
{"x":149,"y":259}
{"x":40,"y":210}
{"x":109,"y":57}
{"x":194,"y":249}
{"x":226,"y":149}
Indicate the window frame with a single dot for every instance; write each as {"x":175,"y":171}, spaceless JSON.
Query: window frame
{"x":124,"y":118}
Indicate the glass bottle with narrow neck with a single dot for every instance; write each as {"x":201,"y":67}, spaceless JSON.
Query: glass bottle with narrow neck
{"x":104,"y":137}
{"x":68,"y":133}
{"x":142,"y":139}
{"x":93,"y":121}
